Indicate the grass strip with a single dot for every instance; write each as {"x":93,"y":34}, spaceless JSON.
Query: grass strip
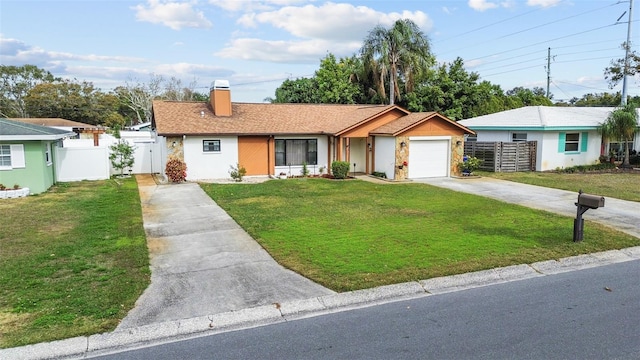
{"x":73,"y":261}
{"x":349,"y":235}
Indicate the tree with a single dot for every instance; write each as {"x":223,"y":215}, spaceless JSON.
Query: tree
{"x":400,"y":53}
{"x":302,"y":90}
{"x":72,"y":101}
{"x":15,"y":84}
{"x":614,"y":73}
{"x":528,"y":97}
{"x":621,"y":125}
{"x":138,"y":97}
{"x":335,"y":81}
{"x":121,"y":155}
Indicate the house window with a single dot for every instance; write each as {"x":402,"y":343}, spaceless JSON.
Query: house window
{"x":572,"y":142}
{"x":211,"y":145}
{"x":517,"y":137}
{"x":12,"y":157}
{"x":296,"y":152}
{"x":5,"y":156}
{"x":47,"y":153}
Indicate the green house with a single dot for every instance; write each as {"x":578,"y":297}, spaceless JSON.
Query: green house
{"x":27,"y":155}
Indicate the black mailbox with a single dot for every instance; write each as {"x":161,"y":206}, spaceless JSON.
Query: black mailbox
{"x":591,"y":201}
{"x":585,"y":202}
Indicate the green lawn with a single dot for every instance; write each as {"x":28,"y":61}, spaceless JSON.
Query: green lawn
{"x":73,"y":261}
{"x":352,"y":234}
{"x":622,"y":185}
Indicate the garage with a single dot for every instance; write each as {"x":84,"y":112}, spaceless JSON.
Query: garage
{"x":428,"y":158}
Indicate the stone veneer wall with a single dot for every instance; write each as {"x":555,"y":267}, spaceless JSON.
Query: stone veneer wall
{"x":402,"y":155}
{"x":177,"y":150}
{"x":457,"y":153}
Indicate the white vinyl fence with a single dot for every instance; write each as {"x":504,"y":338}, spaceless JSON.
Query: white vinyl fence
{"x":78,"y":160}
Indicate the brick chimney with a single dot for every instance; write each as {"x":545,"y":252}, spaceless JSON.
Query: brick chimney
{"x":220,"y":98}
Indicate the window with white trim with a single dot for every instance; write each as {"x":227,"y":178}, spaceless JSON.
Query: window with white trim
{"x":572,"y":142}
{"x":296,"y":152}
{"x":47,"y":154}
{"x":211,"y":145}
{"x":5,"y":156}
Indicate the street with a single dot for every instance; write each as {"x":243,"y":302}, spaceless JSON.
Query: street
{"x":586,"y":314}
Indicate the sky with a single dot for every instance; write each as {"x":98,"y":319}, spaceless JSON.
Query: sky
{"x":257,"y":44}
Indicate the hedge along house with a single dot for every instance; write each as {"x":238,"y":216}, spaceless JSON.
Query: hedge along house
{"x":270,"y":139}
{"x":565,"y":136}
{"x":26,"y":154}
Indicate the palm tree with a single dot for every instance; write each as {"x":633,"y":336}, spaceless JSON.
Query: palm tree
{"x":621,"y":125}
{"x":401,"y":51}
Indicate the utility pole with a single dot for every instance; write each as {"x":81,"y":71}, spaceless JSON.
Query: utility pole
{"x":626,"y":56}
{"x":548,"y":70}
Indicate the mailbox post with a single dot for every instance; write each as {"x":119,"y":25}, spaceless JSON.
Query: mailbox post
{"x":585,"y":202}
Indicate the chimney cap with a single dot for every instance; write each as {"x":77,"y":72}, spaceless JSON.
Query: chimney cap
{"x":220,"y":84}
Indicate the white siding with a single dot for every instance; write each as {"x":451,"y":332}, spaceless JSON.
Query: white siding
{"x":385,"y":159}
{"x":210,"y":165}
{"x":550,"y":158}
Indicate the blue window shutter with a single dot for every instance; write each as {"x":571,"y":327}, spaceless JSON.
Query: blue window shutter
{"x":561,"y":140}
{"x":584,"y":139}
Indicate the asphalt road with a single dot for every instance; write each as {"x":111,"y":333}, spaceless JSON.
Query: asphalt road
{"x":586,"y":314}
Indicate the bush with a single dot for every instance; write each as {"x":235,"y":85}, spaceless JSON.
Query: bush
{"x":340,"y":169}
{"x":176,"y":170}
{"x":379,"y":174}
{"x":469,"y":164}
{"x":305,"y":170}
{"x":237,"y":172}
{"x":586,"y":168}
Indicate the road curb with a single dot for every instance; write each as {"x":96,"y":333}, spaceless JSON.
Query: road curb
{"x":99,"y":344}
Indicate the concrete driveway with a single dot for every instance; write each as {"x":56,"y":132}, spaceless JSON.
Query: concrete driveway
{"x":620,"y":214}
{"x":202,"y":262}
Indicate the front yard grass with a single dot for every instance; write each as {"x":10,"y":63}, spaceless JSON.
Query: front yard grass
{"x":349,"y":235}
{"x":73,"y":261}
{"x":622,"y":185}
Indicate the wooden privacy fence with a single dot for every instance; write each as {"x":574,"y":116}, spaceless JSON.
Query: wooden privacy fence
{"x":503,"y":156}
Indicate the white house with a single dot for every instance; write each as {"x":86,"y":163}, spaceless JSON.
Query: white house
{"x":565,"y":136}
{"x":269,"y":139}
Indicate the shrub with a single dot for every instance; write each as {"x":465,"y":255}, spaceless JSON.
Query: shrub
{"x":469,"y":164}
{"x":2,"y":187}
{"x":340,"y":169}
{"x":305,"y":170}
{"x":237,"y":172}
{"x":379,"y":174}
{"x":122,"y":155}
{"x":176,"y":170}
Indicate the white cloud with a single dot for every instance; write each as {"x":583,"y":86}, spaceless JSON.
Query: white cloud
{"x":281,"y":51}
{"x":254,"y":5}
{"x":482,"y":5}
{"x":176,"y":15}
{"x":543,"y":3}
{"x":333,"y":21}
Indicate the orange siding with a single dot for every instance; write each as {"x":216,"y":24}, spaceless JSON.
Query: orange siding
{"x":254,"y":154}
{"x":434,"y":127}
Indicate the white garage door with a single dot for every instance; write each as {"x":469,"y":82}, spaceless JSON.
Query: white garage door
{"x":428,"y":158}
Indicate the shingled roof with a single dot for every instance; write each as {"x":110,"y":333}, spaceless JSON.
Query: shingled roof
{"x":185,"y":118}
{"x":412,"y":120}
{"x":55,"y":122}
{"x":14,"y":130}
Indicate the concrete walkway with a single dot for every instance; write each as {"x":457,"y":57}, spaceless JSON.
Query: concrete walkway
{"x":619,"y":214}
{"x":202,"y":262}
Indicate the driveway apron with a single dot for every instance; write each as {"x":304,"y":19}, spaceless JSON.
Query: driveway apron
{"x":202,"y":262}
{"x":619,"y":214}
